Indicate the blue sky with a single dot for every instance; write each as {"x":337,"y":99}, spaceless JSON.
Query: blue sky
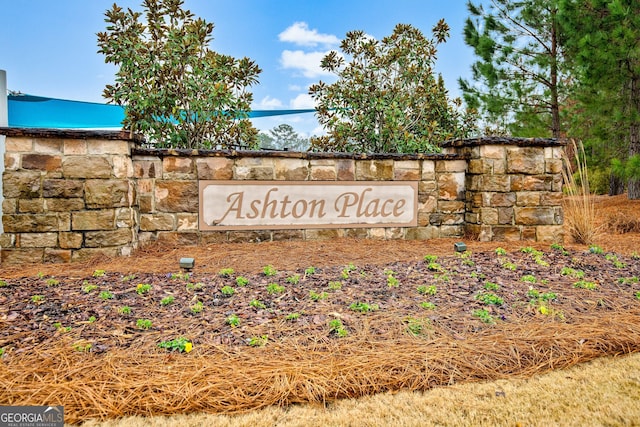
{"x":48,"y":48}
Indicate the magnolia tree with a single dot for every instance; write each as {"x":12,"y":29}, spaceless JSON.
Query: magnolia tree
{"x":175,"y":90}
{"x":387,"y":97}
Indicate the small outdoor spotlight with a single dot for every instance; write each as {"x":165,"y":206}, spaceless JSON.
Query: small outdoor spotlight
{"x":459,"y":247}
{"x":187,"y":263}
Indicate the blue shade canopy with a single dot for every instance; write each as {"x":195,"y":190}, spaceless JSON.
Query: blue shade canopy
{"x":28,"y":111}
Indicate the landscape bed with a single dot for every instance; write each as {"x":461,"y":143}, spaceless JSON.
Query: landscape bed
{"x":229,"y":338}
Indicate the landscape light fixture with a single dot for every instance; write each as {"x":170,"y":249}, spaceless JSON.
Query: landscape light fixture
{"x":187,"y":263}
{"x":460,"y":247}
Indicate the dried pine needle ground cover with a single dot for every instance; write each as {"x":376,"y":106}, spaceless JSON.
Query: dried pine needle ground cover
{"x":370,"y":317}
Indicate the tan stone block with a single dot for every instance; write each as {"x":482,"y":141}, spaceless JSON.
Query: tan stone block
{"x":31,"y":206}
{"x":30,"y":223}
{"x":291,"y":169}
{"x":258,"y":173}
{"x":475,"y":183}
{"x":451,"y":166}
{"x":106,"y":193}
{"x":74,"y":147}
{"x":178,"y":168}
{"x":551,"y":199}
{"x":47,"y":145}
{"x":488,"y":216}
{"x":471,"y":217}
{"x":428,"y":204}
{"x":498,"y":183}
{"x":68,"y":240}
{"x":93,"y":220}
{"x":422,"y":233}
{"x":157,"y":222}
{"x":406,"y":174}
{"x":394,"y":233}
{"x":249,"y":236}
{"x":126,"y":217}
{"x":428,"y":170}
{"x":145,"y":203}
{"x":480,"y":166}
{"x":528,"y":233}
{"x":57,"y":256}
{"x":106,"y":146}
{"x":451,"y":231}
{"x":550,"y":233}
{"x":528,"y":198}
{"x":451,"y":186}
{"x":213,"y":237}
{"x":37,"y":240}
{"x":322,"y":234}
{"x":64,"y":205}
{"x":7,"y":240}
{"x":506,"y":233}
{"x":526,"y":160}
{"x":346,"y":169}
{"x":423,"y":218}
{"x":553,"y":166}
{"x":516,"y":182}
{"x":503,"y":199}
{"x":537,"y":183}
{"x":374,"y":170}
{"x":505,"y":216}
{"x":86,"y":254}
{"x":122,"y":167}
{"x":10,"y":206}
{"x":492,"y":152}
{"x":187,"y":221}
{"x":12,"y":161}
{"x":18,"y":144}
{"x":354,"y":233}
{"x":63,"y":188}
{"x":427,"y":187}
{"x":285,"y":235}
{"x":553,"y":152}
{"x":323,"y":173}
{"x":64,"y":221}
{"x":86,"y":167}
{"x":498,"y":166}
{"x":147,"y":167}
{"x":176,"y":196}
{"x":218,"y":168}
{"x":21,"y":184}
{"x":102,"y":239}
{"x":535,"y":216}
{"x":451,"y":206}
{"x":22,"y":256}
{"x":377,"y":233}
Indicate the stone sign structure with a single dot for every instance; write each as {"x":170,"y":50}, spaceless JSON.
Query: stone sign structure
{"x":69,"y":195}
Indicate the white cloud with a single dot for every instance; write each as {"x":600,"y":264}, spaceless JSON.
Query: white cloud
{"x":302,"y":102}
{"x":295,"y":88}
{"x":268,"y":103}
{"x":307,"y":63}
{"x":300,"y":34}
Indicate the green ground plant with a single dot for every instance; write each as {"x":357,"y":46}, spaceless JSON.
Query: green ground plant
{"x":179,"y":344}
{"x":484,"y":315}
{"x":584,"y":284}
{"x":529,"y":278}
{"x":317,"y":296}
{"x":427,"y":305}
{"x":427,"y":290}
{"x":233,"y":320}
{"x":242,"y":281}
{"x":501,"y":251}
{"x":274,"y":288}
{"x":292,"y":317}
{"x":144,"y":324}
{"x":260,"y":341}
{"x":490,"y":286}
{"x":3,"y":284}
{"x":363,"y":307}
{"x":294,"y":279}
{"x":143,"y":288}
{"x":227,"y":291}
{"x":489,"y":299}
{"x":197,"y":307}
{"x":568,"y":271}
{"x":124,"y":310}
{"x":167,"y":300}
{"x":89,"y":288}
{"x":337,"y":328}
{"x":98,"y":273}
{"x":257,"y":304}
{"x":269,"y":270}
{"x":51,"y":281}
{"x":335,"y":285}
{"x":105,"y":295}
{"x":226,"y":272}
{"x":309,"y":271}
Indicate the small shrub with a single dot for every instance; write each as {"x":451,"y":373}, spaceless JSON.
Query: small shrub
{"x":179,"y":344}
{"x":309,"y":271}
{"x":501,"y":251}
{"x":427,"y":305}
{"x":105,"y":295}
{"x":430,"y":258}
{"x":197,"y":307}
{"x":317,"y":296}
{"x":257,"y":304}
{"x":336,"y":327}
{"x":98,"y":273}
{"x":144,"y":324}
{"x":484,"y":315}
{"x":233,"y":320}
{"x":269,"y":270}
{"x":260,"y":341}
{"x":89,"y":288}
{"x":489,"y":299}
{"x":363,"y":307}
{"x":490,"y":286}
{"x":52,"y":282}
{"x":227,"y":291}
{"x":292,"y":317}
{"x":226,"y":272}
{"x":427,"y":290}
{"x":242,"y":281}
{"x":335,"y":285}
{"x":124,"y":310}
{"x":143,"y":288}
{"x":583,"y":284}
{"x":167,"y":300}
{"x":274,"y":288}
{"x":568,"y":271}
{"x":294,"y":280}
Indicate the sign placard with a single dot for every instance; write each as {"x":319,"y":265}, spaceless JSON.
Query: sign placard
{"x":263,"y":205}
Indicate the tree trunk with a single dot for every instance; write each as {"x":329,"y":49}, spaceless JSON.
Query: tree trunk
{"x":616,"y":185}
{"x":633,"y":186}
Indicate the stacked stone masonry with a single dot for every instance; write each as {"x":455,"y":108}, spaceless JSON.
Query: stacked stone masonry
{"x":71,"y":195}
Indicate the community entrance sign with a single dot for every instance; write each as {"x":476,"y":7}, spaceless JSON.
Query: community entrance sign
{"x":238,"y":205}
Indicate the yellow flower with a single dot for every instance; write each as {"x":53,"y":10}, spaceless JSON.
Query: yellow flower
{"x":188,"y":347}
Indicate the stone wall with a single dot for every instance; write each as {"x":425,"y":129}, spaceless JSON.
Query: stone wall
{"x":71,"y":194}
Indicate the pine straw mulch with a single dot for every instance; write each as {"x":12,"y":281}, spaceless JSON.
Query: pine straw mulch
{"x":401,"y":345}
